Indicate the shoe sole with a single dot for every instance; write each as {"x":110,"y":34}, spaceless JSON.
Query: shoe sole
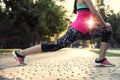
{"x":102,"y":65}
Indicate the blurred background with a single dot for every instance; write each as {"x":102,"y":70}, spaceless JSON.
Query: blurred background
{"x":25,"y":23}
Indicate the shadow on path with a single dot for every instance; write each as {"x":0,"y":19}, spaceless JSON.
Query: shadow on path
{"x":4,"y":78}
{"x":11,"y":66}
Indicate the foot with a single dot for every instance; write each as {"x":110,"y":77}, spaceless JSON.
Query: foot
{"x":19,"y":58}
{"x":103,"y":63}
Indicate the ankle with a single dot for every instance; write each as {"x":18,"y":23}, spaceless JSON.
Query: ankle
{"x":19,"y":53}
{"x":100,"y":59}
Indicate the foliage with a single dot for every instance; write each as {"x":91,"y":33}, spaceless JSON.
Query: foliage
{"x":114,"y":19}
{"x":23,"y":22}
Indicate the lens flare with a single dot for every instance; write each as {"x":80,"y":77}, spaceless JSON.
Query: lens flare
{"x":90,"y":22}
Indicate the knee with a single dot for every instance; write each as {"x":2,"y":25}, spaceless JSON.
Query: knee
{"x":107,"y":32}
{"x":49,"y":47}
{"x":106,"y":35}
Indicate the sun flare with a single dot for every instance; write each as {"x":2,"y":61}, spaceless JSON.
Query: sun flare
{"x":90,"y":22}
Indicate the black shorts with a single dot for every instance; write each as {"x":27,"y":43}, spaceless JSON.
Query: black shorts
{"x":74,"y":35}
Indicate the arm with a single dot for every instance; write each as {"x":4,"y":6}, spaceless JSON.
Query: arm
{"x":95,"y":13}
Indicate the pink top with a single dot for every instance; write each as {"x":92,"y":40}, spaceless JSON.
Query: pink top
{"x":80,"y":23}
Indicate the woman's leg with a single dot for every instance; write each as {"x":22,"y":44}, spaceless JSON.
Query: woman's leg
{"x":103,"y":48}
{"x":31,"y":50}
{"x":105,"y":42}
{"x":71,"y":36}
{"x":45,"y":47}
{"x":105,"y":35}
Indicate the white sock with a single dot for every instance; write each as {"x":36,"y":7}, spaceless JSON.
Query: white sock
{"x":18,"y":52}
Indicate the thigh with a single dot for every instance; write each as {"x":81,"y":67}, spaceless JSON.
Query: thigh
{"x":94,"y":33}
{"x":71,"y":36}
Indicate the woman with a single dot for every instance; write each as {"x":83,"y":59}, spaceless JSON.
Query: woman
{"x":78,"y":30}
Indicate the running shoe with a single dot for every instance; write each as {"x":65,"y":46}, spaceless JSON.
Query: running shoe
{"x":19,"y":58}
{"x":103,"y":63}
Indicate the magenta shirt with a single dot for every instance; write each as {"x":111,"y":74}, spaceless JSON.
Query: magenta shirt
{"x":80,"y":23}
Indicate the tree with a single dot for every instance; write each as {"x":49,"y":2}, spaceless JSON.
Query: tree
{"x":114,"y":19}
{"x":30,"y":23}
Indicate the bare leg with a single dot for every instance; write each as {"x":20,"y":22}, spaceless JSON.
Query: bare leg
{"x":102,"y":61}
{"x":103,"y":48}
{"x":31,"y":50}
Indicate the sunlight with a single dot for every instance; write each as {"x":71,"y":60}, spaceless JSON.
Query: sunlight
{"x":90,"y":22}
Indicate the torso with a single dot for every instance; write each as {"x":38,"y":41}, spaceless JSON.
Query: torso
{"x":83,"y":15}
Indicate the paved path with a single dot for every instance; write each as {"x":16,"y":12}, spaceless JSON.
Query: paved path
{"x":65,"y":64}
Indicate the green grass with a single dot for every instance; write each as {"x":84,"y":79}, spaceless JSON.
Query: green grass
{"x":114,"y":49}
{"x":108,"y":53}
{"x":6,"y":51}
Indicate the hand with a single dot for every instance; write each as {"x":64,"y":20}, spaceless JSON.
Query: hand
{"x":108,"y":26}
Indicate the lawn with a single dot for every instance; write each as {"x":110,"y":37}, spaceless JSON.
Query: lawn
{"x":108,"y":53}
{"x":6,"y":51}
